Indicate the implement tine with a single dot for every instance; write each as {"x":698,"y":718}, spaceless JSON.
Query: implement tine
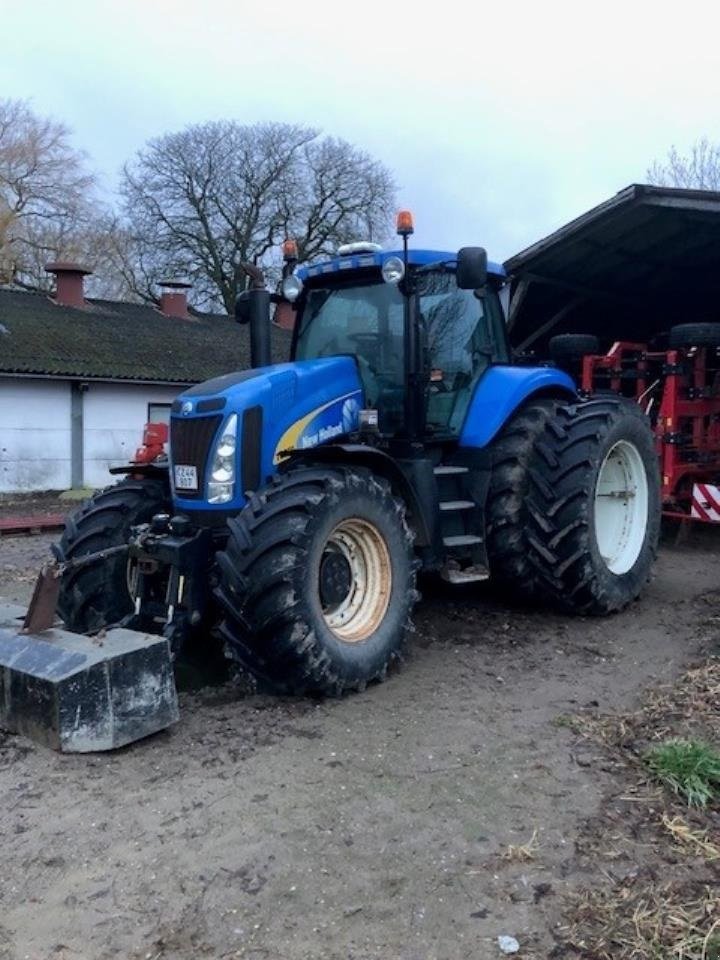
{"x":41,"y":612}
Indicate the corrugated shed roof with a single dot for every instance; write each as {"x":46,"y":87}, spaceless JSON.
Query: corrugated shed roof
{"x":120,"y":341}
{"x":640,"y":262}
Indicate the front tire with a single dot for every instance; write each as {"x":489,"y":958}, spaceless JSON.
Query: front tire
{"x":96,"y":594}
{"x":317,"y":582}
{"x":594,"y":506}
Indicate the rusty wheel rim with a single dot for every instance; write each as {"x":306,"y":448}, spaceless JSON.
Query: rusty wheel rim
{"x":359,"y":612}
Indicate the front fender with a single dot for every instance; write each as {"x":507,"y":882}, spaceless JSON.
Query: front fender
{"x":358,"y":454}
{"x":499,"y":393}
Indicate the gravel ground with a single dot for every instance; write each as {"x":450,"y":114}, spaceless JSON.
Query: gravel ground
{"x":376,"y":826}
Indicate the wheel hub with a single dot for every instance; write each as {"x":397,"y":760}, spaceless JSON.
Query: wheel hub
{"x":335,"y":578}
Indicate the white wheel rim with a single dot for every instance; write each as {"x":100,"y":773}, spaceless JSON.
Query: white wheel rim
{"x":360,"y":612}
{"x":131,"y":577}
{"x":621,"y":507}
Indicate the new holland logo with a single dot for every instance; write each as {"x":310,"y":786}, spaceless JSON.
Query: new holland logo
{"x":320,"y":425}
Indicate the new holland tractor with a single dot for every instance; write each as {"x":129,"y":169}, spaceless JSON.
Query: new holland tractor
{"x":300,"y":500}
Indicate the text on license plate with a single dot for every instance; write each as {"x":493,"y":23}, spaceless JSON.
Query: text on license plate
{"x":185,"y":477}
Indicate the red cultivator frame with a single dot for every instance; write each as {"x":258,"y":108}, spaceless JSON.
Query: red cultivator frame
{"x":679,"y":389}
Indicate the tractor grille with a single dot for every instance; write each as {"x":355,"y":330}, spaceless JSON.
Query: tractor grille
{"x":190,"y":444}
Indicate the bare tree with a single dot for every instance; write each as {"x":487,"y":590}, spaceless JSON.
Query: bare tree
{"x":699,"y":169}
{"x":338,"y":194}
{"x":200,"y":202}
{"x":46,"y":199}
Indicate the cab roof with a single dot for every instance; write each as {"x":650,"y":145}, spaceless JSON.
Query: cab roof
{"x":357,"y":261}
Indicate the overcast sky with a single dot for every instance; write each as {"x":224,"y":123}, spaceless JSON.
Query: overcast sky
{"x":500,"y":121}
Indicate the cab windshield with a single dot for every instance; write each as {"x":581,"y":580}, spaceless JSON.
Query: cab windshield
{"x":366,"y":320}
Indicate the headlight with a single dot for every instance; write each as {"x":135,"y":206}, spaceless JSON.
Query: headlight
{"x":393,"y":270}
{"x":221,"y":486}
{"x":292,"y":287}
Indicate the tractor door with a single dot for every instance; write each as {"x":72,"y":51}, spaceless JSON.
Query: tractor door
{"x":365,"y":320}
{"x":464,"y":334}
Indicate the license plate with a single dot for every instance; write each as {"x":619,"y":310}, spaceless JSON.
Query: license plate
{"x":185,"y":477}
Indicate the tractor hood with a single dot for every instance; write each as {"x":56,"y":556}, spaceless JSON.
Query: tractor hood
{"x":279,"y":408}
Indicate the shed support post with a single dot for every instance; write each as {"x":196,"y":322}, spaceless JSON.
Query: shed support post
{"x":552,"y":322}
{"x":517,"y":300}
{"x":77,"y":429}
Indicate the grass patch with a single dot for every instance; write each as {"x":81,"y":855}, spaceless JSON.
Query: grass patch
{"x":655,"y":846}
{"x":691,"y":769}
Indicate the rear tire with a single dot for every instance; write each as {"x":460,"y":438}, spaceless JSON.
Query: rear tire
{"x":317,"y":581}
{"x":96,"y":595}
{"x":594,"y":506}
{"x":512,"y":453}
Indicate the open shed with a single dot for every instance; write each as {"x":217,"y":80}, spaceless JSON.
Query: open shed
{"x":631,"y":268}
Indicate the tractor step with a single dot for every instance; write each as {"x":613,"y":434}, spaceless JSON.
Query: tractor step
{"x":454,"y":573}
{"x":446,"y":506}
{"x":80,"y":694}
{"x":449,"y":470}
{"x":462,"y":540}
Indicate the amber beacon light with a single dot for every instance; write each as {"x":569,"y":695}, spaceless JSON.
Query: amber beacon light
{"x":290,"y":249}
{"x":405,"y":223}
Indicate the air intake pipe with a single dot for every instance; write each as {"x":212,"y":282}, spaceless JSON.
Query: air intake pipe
{"x":253,"y":307}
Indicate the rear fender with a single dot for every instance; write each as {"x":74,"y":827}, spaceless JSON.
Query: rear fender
{"x":499,"y":393}
{"x":357,"y":454}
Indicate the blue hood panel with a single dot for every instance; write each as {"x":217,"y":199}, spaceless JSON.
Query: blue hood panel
{"x":303,"y":404}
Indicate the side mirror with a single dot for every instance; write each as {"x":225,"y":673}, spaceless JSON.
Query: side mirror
{"x":471,"y":268}
{"x":242,"y":307}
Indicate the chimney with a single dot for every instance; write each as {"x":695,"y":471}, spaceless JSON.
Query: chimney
{"x":69,"y":282}
{"x":173,"y":299}
{"x":285,"y":315}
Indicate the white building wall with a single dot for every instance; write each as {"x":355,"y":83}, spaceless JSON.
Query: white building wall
{"x":35,"y":431}
{"x":34,"y":435}
{"x":114,"y":415}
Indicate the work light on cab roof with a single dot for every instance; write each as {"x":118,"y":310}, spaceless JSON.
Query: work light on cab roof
{"x":292,"y":287}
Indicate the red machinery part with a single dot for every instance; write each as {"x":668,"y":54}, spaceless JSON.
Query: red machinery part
{"x":155,"y":437}
{"x":680,"y":391}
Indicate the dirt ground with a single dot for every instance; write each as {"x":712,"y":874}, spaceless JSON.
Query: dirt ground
{"x":372,"y":827}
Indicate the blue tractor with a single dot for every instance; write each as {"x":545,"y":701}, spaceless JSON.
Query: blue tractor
{"x":300,"y":500}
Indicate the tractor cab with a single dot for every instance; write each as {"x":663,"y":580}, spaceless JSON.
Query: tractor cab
{"x":398,"y":310}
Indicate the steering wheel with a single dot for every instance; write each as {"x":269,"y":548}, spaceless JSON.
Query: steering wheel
{"x":440,"y":386}
{"x":366,"y":339}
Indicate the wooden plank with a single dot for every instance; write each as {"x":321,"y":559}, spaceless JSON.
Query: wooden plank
{"x":36,"y":523}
